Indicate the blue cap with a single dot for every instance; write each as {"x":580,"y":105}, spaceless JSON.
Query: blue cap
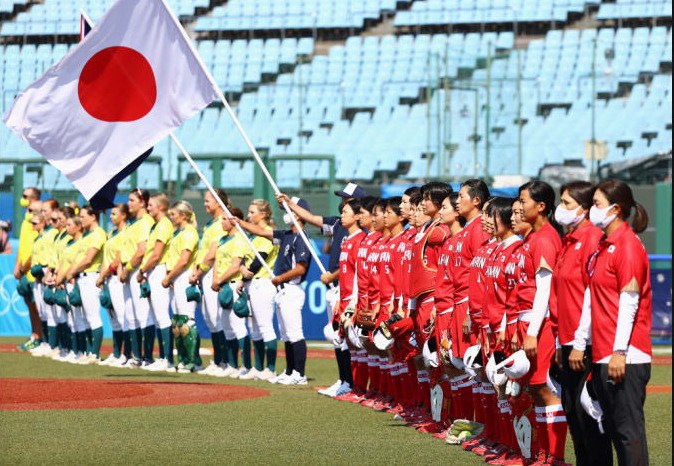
{"x":351,"y":190}
{"x":302,"y":203}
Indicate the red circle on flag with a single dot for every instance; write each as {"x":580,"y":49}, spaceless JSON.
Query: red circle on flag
{"x":117,"y":84}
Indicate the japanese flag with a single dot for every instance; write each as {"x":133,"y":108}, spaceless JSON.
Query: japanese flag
{"x":132,"y":80}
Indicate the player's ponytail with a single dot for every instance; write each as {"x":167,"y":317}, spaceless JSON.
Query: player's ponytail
{"x":185,"y":208}
{"x":618,"y":192}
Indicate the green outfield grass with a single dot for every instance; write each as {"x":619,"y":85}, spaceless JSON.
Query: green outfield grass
{"x":292,"y":426}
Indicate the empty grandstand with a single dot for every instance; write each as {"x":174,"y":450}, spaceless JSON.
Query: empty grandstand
{"x":394,"y":90}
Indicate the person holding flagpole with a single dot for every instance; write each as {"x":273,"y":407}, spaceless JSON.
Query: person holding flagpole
{"x":180,"y":259}
{"x":290,"y":271}
{"x":203,"y":273}
{"x":138,"y":319}
{"x":151,"y":273}
{"x":229,"y":253}
{"x":261,"y":291}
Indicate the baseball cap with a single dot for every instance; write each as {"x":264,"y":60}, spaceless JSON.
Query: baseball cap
{"x":430,"y":352}
{"x":515,"y":366}
{"x":301,"y":202}
{"x":380,"y":340}
{"x":590,"y":404}
{"x":351,"y":190}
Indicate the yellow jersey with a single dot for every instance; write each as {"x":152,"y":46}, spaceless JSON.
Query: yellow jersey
{"x":262,"y":244}
{"x":161,"y":231}
{"x":186,"y":238}
{"x":112,"y":247}
{"x":43,"y":247}
{"x":229,"y":247}
{"x":27,"y":236}
{"x":70,"y":252}
{"x":137,"y":231}
{"x":92,"y":239}
{"x":212,"y":233}
{"x":60,"y":242}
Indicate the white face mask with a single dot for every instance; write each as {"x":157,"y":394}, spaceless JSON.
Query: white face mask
{"x":287,"y":219}
{"x":568,"y":218}
{"x":599,"y":218}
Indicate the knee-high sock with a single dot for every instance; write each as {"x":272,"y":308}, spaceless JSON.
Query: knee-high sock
{"x":542,"y":429}
{"x":74,"y":343}
{"x":300,"y":354}
{"x":52,"y":337}
{"x":65,"y":342}
{"x":290,"y":358}
{"x":384,"y":377}
{"x":45,"y":330}
{"x":244,"y":346}
{"x":89,"y":340}
{"x":363,"y":370}
{"x":164,"y":337}
{"x":117,"y":337}
{"x":148,"y":342}
{"x":270,"y":349}
{"x":556,"y":429}
{"x":127,"y":344}
{"x":216,"y":340}
{"x":446,"y":387}
{"x":197,"y":347}
{"x":81,"y":342}
{"x":139,"y":337}
{"x":258,"y":352}
{"x":134,"y":337}
{"x":505,"y":424}
{"x":96,"y":341}
{"x":373,"y":372}
{"x":180,"y":348}
{"x":466,"y":396}
{"x":478,"y":406}
{"x":340,"y":372}
{"x":489,"y":407}
{"x":232,"y":347}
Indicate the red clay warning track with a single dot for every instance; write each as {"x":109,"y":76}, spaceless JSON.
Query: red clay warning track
{"x":18,"y":394}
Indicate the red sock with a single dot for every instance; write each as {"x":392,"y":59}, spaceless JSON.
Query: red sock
{"x":505,"y":426}
{"x":489,"y":407}
{"x":542,"y":425}
{"x":455,"y":410}
{"x":556,"y":429}
{"x":425,"y":389}
{"x":354,"y":368}
{"x":363,"y":370}
{"x":384,"y":378}
{"x":466,"y":397}
{"x":476,"y":392}
{"x":373,"y":373}
{"x":523,"y":407}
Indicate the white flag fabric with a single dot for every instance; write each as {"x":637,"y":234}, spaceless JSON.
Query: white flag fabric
{"x":132,"y":80}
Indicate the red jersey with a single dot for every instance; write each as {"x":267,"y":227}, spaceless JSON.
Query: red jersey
{"x":389,"y":263}
{"x":619,"y":264}
{"x":373,"y":283}
{"x":425,"y":256}
{"x":513,"y":270}
{"x":497,"y":283}
{"x":476,"y":286}
{"x":405,"y":251}
{"x":540,"y":250}
{"x":468,"y":242}
{"x":362,"y":268}
{"x":568,"y":286}
{"x":348,"y":261}
{"x":444,"y":281}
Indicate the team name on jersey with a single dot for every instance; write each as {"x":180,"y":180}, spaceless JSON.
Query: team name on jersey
{"x":362,"y":253}
{"x":444,"y":260}
{"x":478,"y":262}
{"x":373,"y":257}
{"x":459,"y":247}
{"x":343,"y":256}
{"x":493,"y":271}
{"x":385,"y":257}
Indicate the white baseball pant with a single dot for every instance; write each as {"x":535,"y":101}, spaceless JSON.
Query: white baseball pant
{"x":90,"y":302}
{"x":261,"y":301}
{"x":121,"y":300}
{"x":233,"y":325}
{"x":140,"y":318}
{"x":79,"y":323}
{"x":209,"y":304}
{"x":178,"y":298}
{"x":289,"y":303}
{"x":159,"y":297}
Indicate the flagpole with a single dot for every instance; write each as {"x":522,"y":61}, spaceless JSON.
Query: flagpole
{"x":219,"y":201}
{"x":250,"y":145}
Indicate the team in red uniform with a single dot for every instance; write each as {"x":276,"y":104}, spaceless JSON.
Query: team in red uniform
{"x":506,"y":282}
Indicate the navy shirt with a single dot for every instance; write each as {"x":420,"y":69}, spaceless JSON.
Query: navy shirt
{"x":333,"y":226}
{"x":292,"y":250}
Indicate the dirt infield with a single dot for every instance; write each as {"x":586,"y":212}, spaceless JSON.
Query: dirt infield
{"x":18,"y":394}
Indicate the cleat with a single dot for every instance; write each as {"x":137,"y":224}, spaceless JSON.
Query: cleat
{"x":294,"y":379}
{"x":330,"y":391}
{"x":266,"y":374}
